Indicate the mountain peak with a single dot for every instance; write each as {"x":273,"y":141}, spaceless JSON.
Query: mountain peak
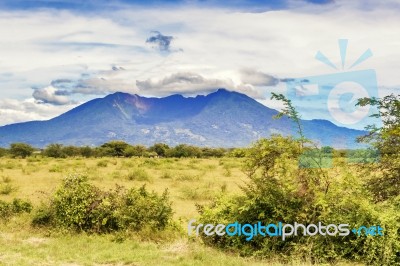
{"x":222,"y":118}
{"x":222,"y":91}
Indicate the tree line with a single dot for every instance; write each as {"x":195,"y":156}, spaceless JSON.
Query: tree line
{"x":115,"y":148}
{"x":118,"y":148}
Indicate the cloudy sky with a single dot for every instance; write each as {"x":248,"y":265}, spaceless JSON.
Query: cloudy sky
{"x":57,"y":54}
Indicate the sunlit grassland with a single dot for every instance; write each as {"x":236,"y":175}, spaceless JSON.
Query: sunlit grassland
{"x":189,"y":181}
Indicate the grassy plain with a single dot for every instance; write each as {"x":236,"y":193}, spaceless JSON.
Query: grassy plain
{"x":189,"y":181}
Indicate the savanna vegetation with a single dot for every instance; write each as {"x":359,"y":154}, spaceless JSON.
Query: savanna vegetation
{"x":129,"y":204}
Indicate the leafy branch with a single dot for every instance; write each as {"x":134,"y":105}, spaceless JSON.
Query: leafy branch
{"x":290,"y":112}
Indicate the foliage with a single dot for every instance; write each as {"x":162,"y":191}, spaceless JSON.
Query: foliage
{"x":6,"y":189}
{"x":72,"y":151}
{"x":160,"y":148}
{"x":55,"y":151}
{"x":3,"y":152}
{"x":114,"y":148}
{"x":288,"y":184}
{"x":290,"y":112}
{"x":213,"y":152}
{"x":81,"y":206}
{"x":238,"y":153}
{"x":86,"y":151}
{"x":17,"y":206}
{"x":117,"y":148}
{"x":136,"y":150}
{"x":138,"y":174}
{"x":281,"y":191}
{"x":102,"y":163}
{"x":22,"y":150}
{"x":183,"y":150}
{"x":384,"y":177}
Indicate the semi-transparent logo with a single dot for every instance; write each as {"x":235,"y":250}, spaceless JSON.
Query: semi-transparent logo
{"x":334,"y":96}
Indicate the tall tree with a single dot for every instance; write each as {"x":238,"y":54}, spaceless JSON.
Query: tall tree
{"x":385,"y":175}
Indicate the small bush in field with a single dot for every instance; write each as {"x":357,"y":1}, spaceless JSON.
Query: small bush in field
{"x":55,"y":169}
{"x":116,"y":174}
{"x":43,"y":216}
{"x":81,"y":206}
{"x":6,"y":189}
{"x":102,"y":163}
{"x":17,"y":206}
{"x":138,"y":174}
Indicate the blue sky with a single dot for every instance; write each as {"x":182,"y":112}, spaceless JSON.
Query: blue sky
{"x":89,"y":5}
{"x":55,"y":54}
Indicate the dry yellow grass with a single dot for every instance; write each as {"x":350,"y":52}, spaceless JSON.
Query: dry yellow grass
{"x":189,"y":181}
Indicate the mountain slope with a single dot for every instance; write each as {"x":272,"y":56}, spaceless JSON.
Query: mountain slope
{"x":222,"y":118}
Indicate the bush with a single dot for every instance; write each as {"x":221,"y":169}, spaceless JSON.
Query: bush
{"x":22,"y":150}
{"x":54,"y":151}
{"x":17,"y":206}
{"x":281,"y":191}
{"x":114,"y":148}
{"x":160,"y":148}
{"x":43,"y":216}
{"x":86,"y":151}
{"x":183,"y":150}
{"x":141,"y":208}
{"x":6,"y":189}
{"x":137,"y":150}
{"x":102,"y":163}
{"x":3,"y":152}
{"x":81,"y":206}
{"x":138,"y":174}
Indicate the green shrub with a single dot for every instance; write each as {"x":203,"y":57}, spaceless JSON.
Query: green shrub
{"x":55,"y":151}
{"x":81,"y":206}
{"x":43,"y":216}
{"x":281,"y":191}
{"x":102,"y":163}
{"x":20,"y":206}
{"x":17,"y":206}
{"x":6,"y":189}
{"x":138,"y":174}
{"x":138,"y":150}
{"x":116,"y":174}
{"x":3,"y":152}
{"x":22,"y":150}
{"x":141,"y":208}
{"x":55,"y":169}
{"x":73,"y":200}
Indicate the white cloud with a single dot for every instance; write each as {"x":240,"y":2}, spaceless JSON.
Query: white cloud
{"x":257,"y":78}
{"x":13,"y":111}
{"x":239,"y":50}
{"x":49,"y":95}
{"x":192,"y":83}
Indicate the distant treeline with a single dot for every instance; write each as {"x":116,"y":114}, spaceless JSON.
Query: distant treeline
{"x":114,"y":149}
{"x":117,"y":148}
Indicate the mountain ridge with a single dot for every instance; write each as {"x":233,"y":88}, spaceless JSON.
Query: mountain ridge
{"x":220,"y":119}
